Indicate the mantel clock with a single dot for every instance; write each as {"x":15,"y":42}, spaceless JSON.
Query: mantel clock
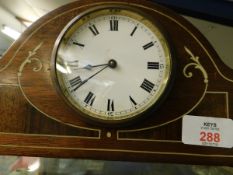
{"x":112,"y":80}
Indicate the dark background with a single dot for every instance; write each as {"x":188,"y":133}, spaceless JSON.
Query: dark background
{"x":220,"y":11}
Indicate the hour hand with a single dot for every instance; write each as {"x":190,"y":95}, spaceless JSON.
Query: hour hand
{"x":111,"y":63}
{"x":89,"y":67}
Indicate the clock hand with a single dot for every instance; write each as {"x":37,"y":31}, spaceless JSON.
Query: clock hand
{"x":89,"y":67}
{"x":111,"y":64}
{"x":86,"y":80}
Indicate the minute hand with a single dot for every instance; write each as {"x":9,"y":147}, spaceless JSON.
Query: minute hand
{"x":86,"y":80}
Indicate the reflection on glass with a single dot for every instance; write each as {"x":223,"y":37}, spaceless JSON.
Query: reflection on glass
{"x":10,"y":165}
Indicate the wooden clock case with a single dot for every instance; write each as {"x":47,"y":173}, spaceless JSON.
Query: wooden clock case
{"x":36,"y":121}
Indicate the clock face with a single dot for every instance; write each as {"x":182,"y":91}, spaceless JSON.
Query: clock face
{"x":112,"y":64}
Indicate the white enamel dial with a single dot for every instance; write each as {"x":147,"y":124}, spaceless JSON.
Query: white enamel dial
{"x":113,"y":65}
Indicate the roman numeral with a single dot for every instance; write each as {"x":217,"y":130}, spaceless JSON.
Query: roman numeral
{"x":93,"y":29}
{"x":75,"y":81}
{"x":132,"y":101}
{"x":134,"y":30}
{"x":78,"y":44}
{"x":147,"y":46}
{"x":153,"y":65}
{"x":114,"y":25}
{"x":110,"y":106}
{"x":90,"y":98}
{"x":147,"y":85}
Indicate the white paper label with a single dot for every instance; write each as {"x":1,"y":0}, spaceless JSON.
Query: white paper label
{"x":207,"y":131}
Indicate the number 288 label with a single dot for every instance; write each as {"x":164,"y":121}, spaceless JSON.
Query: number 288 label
{"x":210,"y":138}
{"x":207,"y":131}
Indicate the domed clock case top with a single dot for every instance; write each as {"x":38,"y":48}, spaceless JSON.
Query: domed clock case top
{"x":111,"y":80}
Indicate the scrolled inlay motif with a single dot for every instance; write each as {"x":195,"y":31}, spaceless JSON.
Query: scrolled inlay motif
{"x":31,"y":58}
{"x":196,"y":64}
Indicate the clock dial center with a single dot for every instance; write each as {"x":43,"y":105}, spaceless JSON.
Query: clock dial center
{"x":112,"y":63}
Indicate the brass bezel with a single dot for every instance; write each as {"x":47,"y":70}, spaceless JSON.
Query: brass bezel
{"x":134,"y":13}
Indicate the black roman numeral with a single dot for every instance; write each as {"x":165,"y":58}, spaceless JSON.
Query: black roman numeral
{"x":132,"y":101}
{"x":153,"y":65}
{"x":147,"y":46}
{"x":78,"y":44}
{"x":114,"y":25}
{"x":134,"y":30}
{"x":110,"y":106}
{"x":90,"y":98}
{"x":75,"y":81}
{"x":147,"y":85}
{"x":93,"y":29}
